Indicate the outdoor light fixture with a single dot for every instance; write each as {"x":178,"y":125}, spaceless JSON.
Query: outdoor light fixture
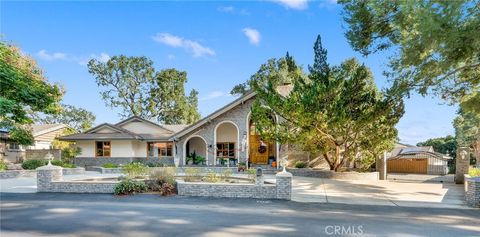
{"x":463,"y":154}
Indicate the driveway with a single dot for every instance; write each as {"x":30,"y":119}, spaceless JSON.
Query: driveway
{"x":90,"y":215}
{"x":406,"y":191}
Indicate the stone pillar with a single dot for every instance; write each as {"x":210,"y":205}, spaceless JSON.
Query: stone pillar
{"x":472,"y":191}
{"x":462,"y":164}
{"x":381,"y":167}
{"x":45,"y":175}
{"x":284,"y":185}
{"x":259,"y":180}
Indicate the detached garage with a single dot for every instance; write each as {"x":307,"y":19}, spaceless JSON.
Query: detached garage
{"x":418,"y":160}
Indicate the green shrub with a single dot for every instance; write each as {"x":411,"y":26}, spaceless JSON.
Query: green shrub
{"x":3,"y":165}
{"x":128,"y":186}
{"x":66,"y":165}
{"x":474,"y":172}
{"x":56,"y":162}
{"x":198,"y":160}
{"x":300,"y":164}
{"x":33,"y":164}
{"x":109,"y":165}
{"x":252,"y":173}
{"x":163,"y":175}
{"x":191,"y":174}
{"x":135,"y":169}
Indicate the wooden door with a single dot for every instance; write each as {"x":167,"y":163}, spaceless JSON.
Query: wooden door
{"x":256,"y":157}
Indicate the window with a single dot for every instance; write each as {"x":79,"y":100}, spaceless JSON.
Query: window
{"x":159,"y":149}
{"x":13,"y":146}
{"x":103,"y":149}
{"x":226,"y":150}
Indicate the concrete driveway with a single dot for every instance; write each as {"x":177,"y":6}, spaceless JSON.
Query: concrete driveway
{"x":397,"y":191}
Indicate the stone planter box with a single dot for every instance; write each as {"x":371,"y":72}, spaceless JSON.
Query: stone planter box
{"x":327,"y":174}
{"x":281,"y":190}
{"x":11,"y":174}
{"x":72,"y":171}
{"x":50,"y":180}
{"x":102,"y":170}
{"x":205,"y":169}
{"x":472,"y":190}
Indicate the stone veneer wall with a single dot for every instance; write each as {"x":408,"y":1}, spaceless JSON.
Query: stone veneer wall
{"x":49,"y":179}
{"x":205,"y":169}
{"x":327,"y":174}
{"x":40,"y":154}
{"x":238,"y":116}
{"x":99,"y":161}
{"x":472,"y":191}
{"x":281,"y":190}
{"x":72,"y":171}
{"x":10,"y":174}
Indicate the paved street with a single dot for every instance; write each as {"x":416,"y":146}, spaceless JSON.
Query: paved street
{"x":151,"y":215}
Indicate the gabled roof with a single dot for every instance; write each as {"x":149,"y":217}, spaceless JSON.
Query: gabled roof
{"x":39,"y":129}
{"x":215,"y":114}
{"x":140,"y":119}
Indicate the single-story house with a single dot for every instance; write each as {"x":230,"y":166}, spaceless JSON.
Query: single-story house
{"x":417,"y":160}
{"x":223,"y":138}
{"x":43,"y":134}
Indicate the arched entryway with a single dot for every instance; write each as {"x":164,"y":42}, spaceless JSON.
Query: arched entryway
{"x":260,"y":151}
{"x":195,"y":151}
{"x":226,"y":144}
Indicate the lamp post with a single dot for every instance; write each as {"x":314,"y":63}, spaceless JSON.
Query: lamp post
{"x":49,"y":157}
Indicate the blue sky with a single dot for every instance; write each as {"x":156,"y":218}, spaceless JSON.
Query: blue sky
{"x":219,"y":44}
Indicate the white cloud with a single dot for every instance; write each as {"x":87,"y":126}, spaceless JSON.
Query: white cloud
{"x":214,"y":95}
{"x":43,"y":54}
{"x":293,"y":4}
{"x":253,"y":35}
{"x":193,"y":47}
{"x":226,"y":9}
{"x":103,"y":57}
{"x":171,"y":57}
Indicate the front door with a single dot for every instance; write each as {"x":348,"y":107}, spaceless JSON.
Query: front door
{"x":256,"y":157}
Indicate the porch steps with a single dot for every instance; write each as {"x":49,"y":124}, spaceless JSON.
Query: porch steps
{"x":267,"y":169}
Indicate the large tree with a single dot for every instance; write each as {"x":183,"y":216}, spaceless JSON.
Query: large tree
{"x":467,"y":131}
{"x":335,"y":111}
{"x":24,"y":90}
{"x":132,"y":84}
{"x":76,"y":118}
{"x":435,"y":44}
{"x":444,"y":145}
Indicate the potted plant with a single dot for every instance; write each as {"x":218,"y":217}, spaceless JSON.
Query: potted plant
{"x":189,"y":160}
{"x":241,"y":167}
{"x":199,"y":160}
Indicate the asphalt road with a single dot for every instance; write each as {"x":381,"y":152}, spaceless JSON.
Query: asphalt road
{"x":144,"y":215}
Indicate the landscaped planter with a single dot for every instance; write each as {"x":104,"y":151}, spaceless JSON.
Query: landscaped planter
{"x":328,"y":174}
{"x":205,"y":169}
{"x":281,"y":190}
{"x":102,"y":170}
{"x":472,"y":190}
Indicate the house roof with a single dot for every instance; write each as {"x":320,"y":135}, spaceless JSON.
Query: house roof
{"x":39,"y":129}
{"x":215,"y":114}
{"x":137,"y":118}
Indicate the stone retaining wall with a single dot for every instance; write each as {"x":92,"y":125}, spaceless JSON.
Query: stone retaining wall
{"x":327,"y":174}
{"x":472,"y":191}
{"x":50,"y":180}
{"x":205,"y":169}
{"x":99,"y":161}
{"x":72,"y":171}
{"x":105,"y":170}
{"x":281,"y":190}
{"x":10,"y":174}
